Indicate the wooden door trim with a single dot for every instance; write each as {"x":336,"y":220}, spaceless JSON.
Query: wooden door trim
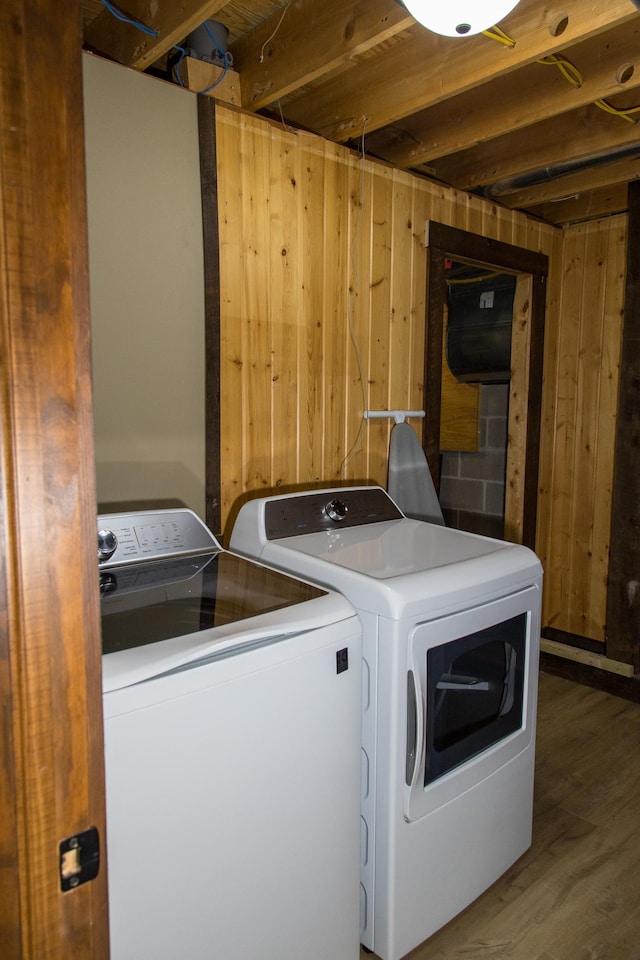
{"x":211,"y":252}
{"x":622,"y":631}
{"x":445,"y":242}
{"x":50,"y":653}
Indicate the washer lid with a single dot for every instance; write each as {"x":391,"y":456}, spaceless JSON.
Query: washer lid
{"x":163,"y":616}
{"x":149,"y":602}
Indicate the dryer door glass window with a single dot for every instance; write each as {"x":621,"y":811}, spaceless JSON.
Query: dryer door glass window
{"x":475,"y":694}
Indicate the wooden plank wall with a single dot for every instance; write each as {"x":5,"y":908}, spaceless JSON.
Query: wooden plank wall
{"x":578,"y":433}
{"x":323,"y":261}
{"x":323,"y":268}
{"x":323,"y":273}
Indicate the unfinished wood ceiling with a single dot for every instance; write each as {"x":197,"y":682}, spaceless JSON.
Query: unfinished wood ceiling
{"x":544,"y":122}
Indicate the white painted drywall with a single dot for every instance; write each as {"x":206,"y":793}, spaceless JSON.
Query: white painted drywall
{"x":147,"y":287}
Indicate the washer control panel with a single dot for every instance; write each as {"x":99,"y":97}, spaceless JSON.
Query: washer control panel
{"x":322,"y":510}
{"x":147,"y":535}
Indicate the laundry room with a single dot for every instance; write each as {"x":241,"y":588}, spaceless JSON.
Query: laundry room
{"x":257,"y":280}
{"x":322,"y":265}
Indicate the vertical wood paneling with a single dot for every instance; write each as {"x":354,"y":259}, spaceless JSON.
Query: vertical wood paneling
{"x":421,"y":213}
{"x":401,"y":266}
{"x":311,"y":348}
{"x":381,"y":331}
{"x":518,"y":393}
{"x":357,"y":321}
{"x":607,"y":415}
{"x":547,"y":432}
{"x":355,"y":269}
{"x":564,"y":382}
{"x":339,"y":300}
{"x":258,"y":258}
{"x":581,"y":381}
{"x":285,"y":305}
{"x":587,"y":437}
{"x":331,"y":261}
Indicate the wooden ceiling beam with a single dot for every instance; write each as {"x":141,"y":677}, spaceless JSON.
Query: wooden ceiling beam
{"x":511,"y":103}
{"x":428,"y":69}
{"x":588,"y":132}
{"x":587,"y":206}
{"x":592,"y":178}
{"x":306,"y":40}
{"x":171,"y":19}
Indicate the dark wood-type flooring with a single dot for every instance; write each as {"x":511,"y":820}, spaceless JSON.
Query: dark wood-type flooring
{"x":575,"y":895}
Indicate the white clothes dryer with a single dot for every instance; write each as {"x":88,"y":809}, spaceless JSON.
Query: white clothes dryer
{"x":451,"y":625}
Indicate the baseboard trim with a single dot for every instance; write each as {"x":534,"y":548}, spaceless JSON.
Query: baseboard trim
{"x":578,"y":655}
{"x":620,"y":686}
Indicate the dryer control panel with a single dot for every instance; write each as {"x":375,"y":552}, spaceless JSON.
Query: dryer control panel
{"x":292,"y":516}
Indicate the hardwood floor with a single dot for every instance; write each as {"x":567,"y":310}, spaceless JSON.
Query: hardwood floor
{"x":575,"y":894}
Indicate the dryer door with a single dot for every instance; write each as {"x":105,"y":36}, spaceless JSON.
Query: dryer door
{"x":471,"y":697}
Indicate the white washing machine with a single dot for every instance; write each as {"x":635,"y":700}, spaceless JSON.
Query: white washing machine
{"x":232,"y":712}
{"x":451,"y":626}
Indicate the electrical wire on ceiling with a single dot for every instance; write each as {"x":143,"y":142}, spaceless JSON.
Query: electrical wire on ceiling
{"x":269,"y":39}
{"x":495,"y":33}
{"x":125,"y":18}
{"x":144,"y":28}
{"x":570,"y":72}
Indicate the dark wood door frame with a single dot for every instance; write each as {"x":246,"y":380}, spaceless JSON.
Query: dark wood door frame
{"x":622,"y":631}
{"x":449,"y":243}
{"x":211,"y":252}
{"x":51,"y":740}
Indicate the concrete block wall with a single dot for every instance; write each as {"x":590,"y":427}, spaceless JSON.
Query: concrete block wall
{"x":472,"y":485}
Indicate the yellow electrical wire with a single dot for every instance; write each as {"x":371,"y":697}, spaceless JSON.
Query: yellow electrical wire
{"x":570,"y":72}
{"x":478,"y":279}
{"x":623,"y":113}
{"x":495,"y":33}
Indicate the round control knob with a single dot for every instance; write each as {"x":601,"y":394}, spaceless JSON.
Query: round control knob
{"x":108,"y":583}
{"x":107,"y":544}
{"x":336,"y":510}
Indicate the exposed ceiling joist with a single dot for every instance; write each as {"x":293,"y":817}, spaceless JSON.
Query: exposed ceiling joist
{"x":172,"y":20}
{"x":574,"y":184}
{"x":474,"y":113}
{"x":306,"y":40}
{"x":585,"y":206}
{"x":593,"y":133}
{"x":535,"y":93}
{"x":431,"y":69}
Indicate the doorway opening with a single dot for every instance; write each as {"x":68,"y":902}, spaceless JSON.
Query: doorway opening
{"x":476,"y":370}
{"x":530,"y":268}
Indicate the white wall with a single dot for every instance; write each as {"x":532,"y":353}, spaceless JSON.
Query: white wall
{"x":147,"y":287}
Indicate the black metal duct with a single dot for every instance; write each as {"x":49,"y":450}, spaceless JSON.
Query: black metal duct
{"x":545,"y":174}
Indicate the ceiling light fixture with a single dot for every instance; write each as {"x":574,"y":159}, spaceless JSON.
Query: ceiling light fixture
{"x":459,"y":18}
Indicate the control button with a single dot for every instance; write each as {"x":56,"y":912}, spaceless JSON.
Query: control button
{"x":336,"y":510}
{"x":107,"y":544}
